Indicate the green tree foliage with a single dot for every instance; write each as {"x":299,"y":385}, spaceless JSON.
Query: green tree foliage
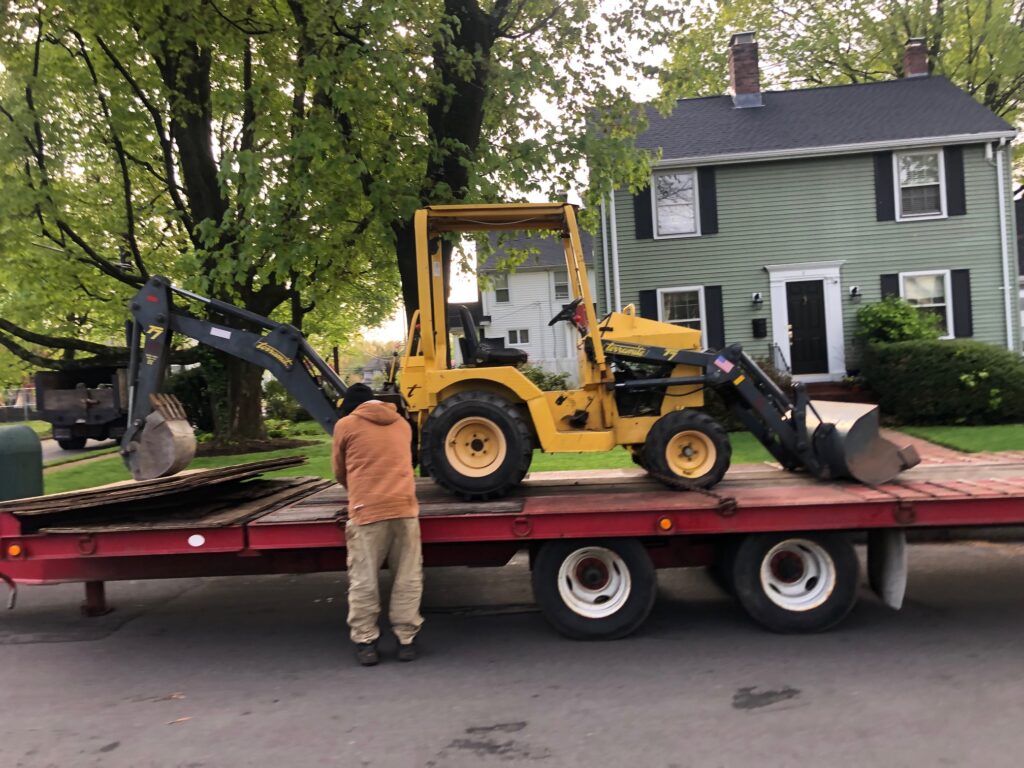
{"x":893,"y":319}
{"x":271,"y":152}
{"x":977,"y":44}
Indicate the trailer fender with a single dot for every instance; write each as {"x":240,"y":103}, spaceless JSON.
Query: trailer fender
{"x":887,"y":565}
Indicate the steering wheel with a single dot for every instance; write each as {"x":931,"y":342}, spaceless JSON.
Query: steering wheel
{"x":567,"y":313}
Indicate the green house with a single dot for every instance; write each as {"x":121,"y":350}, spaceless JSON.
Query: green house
{"x":772,"y":217}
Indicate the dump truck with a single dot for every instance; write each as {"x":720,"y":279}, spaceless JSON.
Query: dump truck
{"x":476,"y":427}
{"x":89,"y":403}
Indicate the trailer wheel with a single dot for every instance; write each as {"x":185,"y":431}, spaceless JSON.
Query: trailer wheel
{"x":687,"y":448}
{"x":591,"y":590}
{"x":793,"y":583}
{"x":477,"y":445}
{"x":71,"y":443}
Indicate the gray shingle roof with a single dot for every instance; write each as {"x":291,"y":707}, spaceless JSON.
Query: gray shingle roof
{"x":549,"y":254}
{"x":889,"y":111}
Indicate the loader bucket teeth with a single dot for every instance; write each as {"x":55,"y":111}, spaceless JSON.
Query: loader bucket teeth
{"x":166,"y":444}
{"x":847,"y":442}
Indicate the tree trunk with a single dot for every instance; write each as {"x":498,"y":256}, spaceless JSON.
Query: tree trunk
{"x":243,"y":412}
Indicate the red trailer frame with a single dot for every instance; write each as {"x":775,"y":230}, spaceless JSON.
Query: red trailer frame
{"x":675,"y":528}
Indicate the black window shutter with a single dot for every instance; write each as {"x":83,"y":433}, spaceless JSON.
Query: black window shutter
{"x":956,"y":199}
{"x":890,"y":286}
{"x":649,"y":304}
{"x":642,"y":214}
{"x":715,"y":320}
{"x":707,"y":196}
{"x":885,"y":198}
{"x":963,"y":322}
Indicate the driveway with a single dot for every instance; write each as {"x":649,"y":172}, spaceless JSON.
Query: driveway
{"x":52,"y":451}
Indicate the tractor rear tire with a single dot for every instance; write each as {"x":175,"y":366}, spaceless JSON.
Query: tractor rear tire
{"x":687,"y":449}
{"x":477,"y":445}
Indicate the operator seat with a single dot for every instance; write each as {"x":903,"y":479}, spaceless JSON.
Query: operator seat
{"x":484,"y":353}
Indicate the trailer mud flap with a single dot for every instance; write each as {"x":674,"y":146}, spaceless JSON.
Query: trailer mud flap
{"x":887,"y":565}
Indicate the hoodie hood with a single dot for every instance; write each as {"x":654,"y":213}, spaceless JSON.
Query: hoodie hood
{"x":377,"y":412}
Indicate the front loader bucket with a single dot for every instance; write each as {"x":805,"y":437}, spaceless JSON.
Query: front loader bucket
{"x":846,"y":441}
{"x":166,"y":444}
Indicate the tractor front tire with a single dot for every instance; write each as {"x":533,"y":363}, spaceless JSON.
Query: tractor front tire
{"x":687,"y":449}
{"x":477,"y":445}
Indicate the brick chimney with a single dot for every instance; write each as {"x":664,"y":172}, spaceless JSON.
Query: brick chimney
{"x":915,"y":58}
{"x":744,"y":75}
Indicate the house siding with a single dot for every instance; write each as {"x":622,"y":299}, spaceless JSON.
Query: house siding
{"x":531,"y":305}
{"x":813,"y":210}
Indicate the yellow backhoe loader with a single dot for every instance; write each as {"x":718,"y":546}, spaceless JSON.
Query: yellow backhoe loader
{"x":641,"y":384}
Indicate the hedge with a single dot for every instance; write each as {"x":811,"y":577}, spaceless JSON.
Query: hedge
{"x":945,"y":382}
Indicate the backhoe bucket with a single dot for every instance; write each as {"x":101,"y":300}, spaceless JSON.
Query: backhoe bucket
{"x":166,"y":444}
{"x":846,"y":440}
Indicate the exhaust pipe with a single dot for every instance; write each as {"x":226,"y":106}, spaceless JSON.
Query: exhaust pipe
{"x":846,"y":440}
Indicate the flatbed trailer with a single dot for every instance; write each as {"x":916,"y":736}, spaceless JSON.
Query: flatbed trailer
{"x":780,"y":543}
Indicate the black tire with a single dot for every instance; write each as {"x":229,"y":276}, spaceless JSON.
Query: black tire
{"x":71,"y":443}
{"x":628,"y":557}
{"x":710,"y":437}
{"x":507,"y":471}
{"x":810,"y":603}
{"x":636,"y":452}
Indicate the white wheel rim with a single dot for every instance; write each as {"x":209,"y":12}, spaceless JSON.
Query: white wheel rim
{"x":798,"y":575}
{"x":594,"y":582}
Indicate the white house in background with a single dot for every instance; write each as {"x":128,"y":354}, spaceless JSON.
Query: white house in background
{"x":519,"y":305}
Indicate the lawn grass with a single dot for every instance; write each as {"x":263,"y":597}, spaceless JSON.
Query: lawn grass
{"x":110,"y":469}
{"x":997,"y":437}
{"x":42,"y":428}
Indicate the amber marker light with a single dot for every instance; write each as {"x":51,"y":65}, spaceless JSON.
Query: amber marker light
{"x":665,"y":523}
{"x":15,"y":550}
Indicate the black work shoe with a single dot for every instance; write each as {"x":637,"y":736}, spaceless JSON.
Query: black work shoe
{"x":366,"y":654}
{"x":408,"y":652}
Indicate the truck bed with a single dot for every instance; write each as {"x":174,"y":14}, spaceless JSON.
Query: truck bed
{"x":297,"y":524}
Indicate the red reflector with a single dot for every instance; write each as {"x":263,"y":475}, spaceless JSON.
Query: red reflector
{"x":152,"y":298}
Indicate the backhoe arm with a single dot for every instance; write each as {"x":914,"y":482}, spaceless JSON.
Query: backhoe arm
{"x":153,"y":445}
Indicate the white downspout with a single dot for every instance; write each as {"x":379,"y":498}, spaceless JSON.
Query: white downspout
{"x":1007,"y":288}
{"x":604,"y":254}
{"x":616,"y":287}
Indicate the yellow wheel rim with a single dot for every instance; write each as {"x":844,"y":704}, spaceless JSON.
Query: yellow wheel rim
{"x":475,"y":446}
{"x":690,"y":453}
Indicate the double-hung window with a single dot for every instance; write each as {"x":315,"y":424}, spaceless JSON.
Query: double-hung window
{"x":930,"y":293}
{"x":675,"y":203}
{"x":683,"y":306}
{"x":920,"y":182}
{"x":561,"y":284}
{"x":500,"y":282}
{"x":518,"y":336}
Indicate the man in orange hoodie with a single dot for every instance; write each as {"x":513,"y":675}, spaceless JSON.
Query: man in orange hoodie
{"x":372,"y":458}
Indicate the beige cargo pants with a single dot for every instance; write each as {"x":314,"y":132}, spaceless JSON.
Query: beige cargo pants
{"x":398,"y":543}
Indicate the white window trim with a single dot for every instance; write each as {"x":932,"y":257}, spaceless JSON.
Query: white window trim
{"x":898,"y":197}
{"x":507,"y":287}
{"x":947,"y":287}
{"x":519,"y":337}
{"x":654,"y":204}
{"x":554,"y":286}
{"x":700,"y":299}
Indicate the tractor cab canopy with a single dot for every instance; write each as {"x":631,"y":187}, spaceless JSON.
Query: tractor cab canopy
{"x":502,"y":217}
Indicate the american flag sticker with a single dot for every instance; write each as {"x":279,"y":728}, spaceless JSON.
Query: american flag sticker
{"x":724,"y":365}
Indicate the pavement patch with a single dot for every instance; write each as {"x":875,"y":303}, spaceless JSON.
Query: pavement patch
{"x":751,"y":698}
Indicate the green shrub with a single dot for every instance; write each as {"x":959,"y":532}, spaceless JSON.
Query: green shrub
{"x":281,"y":405}
{"x":946,"y":382}
{"x":191,"y":388}
{"x":893,"y":319}
{"x":545,"y":379}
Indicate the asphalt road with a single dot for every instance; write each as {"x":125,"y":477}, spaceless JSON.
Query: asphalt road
{"x":53,"y":451}
{"x":258,"y":671}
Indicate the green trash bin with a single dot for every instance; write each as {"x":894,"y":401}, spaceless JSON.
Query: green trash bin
{"x":21,"y":463}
